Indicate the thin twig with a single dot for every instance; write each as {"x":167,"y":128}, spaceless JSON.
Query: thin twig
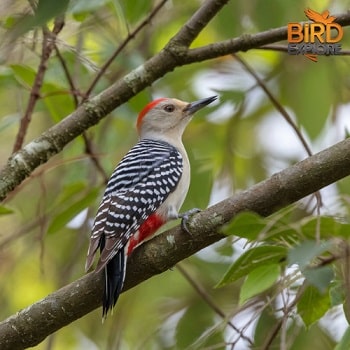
{"x":204,"y":295}
{"x":89,"y":149}
{"x":272,"y":335}
{"x":166,"y":250}
{"x":55,"y":138}
{"x":130,"y":36}
{"x":74,"y":91}
{"x":287,"y":118}
{"x":88,"y":143}
{"x":34,"y":94}
{"x":285,"y":299}
{"x":275,"y":102}
{"x":323,"y":261}
{"x":47,"y":47}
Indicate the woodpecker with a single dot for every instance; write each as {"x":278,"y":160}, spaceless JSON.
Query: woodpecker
{"x":146,"y":189}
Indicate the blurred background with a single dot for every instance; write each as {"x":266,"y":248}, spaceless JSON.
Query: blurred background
{"x":233,"y":144}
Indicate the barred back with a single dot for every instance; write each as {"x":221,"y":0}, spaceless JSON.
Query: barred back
{"x":142,"y":181}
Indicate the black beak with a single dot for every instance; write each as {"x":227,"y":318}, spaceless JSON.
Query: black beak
{"x":197,"y":105}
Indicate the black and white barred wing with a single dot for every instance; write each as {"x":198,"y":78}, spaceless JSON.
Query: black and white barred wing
{"x":142,"y":181}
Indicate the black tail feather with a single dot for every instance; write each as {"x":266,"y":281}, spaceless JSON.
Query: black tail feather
{"x":114,"y":281}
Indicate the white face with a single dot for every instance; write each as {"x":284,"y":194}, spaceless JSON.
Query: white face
{"x":168,"y":116}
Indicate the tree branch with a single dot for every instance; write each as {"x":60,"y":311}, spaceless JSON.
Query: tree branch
{"x":120,"y":48}
{"x":21,"y":164}
{"x":164,"y":251}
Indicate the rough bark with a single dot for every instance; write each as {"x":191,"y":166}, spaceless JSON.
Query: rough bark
{"x":30,"y":326}
{"x":175,"y":54}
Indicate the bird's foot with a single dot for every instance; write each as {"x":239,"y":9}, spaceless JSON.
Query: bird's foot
{"x":186,"y":216}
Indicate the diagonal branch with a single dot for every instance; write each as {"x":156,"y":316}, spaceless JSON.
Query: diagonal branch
{"x":29,"y":327}
{"x":21,"y":164}
{"x":121,"y":47}
{"x":187,"y":33}
{"x":246,"y":42}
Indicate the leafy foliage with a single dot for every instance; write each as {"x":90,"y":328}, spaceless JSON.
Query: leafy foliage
{"x":279,"y":279}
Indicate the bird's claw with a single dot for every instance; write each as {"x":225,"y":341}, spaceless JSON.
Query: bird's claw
{"x":186,"y":216}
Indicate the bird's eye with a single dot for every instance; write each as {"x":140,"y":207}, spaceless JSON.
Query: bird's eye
{"x":169,"y":108}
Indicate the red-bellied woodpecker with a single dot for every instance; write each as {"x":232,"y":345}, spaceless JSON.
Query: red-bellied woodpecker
{"x":146,"y":189}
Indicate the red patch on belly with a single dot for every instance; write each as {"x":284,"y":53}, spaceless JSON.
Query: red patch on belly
{"x":146,"y":230}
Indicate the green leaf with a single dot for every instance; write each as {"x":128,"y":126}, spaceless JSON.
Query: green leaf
{"x":326,"y":225}
{"x":199,"y":192}
{"x":8,"y":121}
{"x":251,"y":260}
{"x":344,"y":343}
{"x":135,"y":10}
{"x":58,"y":105}
{"x":259,"y":280}
{"x":82,"y":9}
{"x":310,"y":104}
{"x":24,"y":75}
{"x":319,"y":277}
{"x":313,"y":305}
{"x":336,"y":293}
{"x":246,"y":225}
{"x":224,"y":249}
{"x":9,"y":22}
{"x":267,"y":319}
{"x":193,"y":324}
{"x":306,"y":228}
{"x":47,"y":9}
{"x":69,"y":191}
{"x":304,"y":253}
{"x":342,"y":229}
{"x":5,"y":210}
{"x":83,"y":6}
{"x":44,"y":12}
{"x":282,"y":233}
{"x":72,"y":210}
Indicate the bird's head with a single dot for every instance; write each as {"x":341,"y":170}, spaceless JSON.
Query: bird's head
{"x":168,"y":117}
